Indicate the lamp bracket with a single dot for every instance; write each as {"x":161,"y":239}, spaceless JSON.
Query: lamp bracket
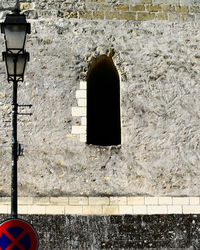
{"x":25,"y":105}
{"x":24,"y":113}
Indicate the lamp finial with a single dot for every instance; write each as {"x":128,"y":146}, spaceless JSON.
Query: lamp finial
{"x":16,"y":10}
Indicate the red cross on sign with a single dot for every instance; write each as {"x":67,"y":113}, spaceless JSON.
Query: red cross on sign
{"x":17,"y":234}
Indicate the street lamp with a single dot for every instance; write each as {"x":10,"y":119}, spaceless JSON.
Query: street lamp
{"x":15,"y":28}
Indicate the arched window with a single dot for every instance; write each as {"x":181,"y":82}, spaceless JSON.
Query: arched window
{"x":103,"y":103}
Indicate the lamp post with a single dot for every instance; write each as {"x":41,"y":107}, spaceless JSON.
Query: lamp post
{"x":15,"y":28}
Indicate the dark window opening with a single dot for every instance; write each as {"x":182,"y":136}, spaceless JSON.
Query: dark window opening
{"x":103,"y":103}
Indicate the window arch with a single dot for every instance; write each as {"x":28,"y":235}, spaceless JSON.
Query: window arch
{"x":103,"y":103}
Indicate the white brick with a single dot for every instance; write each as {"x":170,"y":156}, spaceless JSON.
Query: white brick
{"x":98,"y":200}
{"x":5,"y":200}
{"x":59,"y":200}
{"x":191,"y":209}
{"x":83,"y":121}
{"x":175,"y":209}
{"x":83,"y":85}
{"x":194,"y":201}
{"x":4,"y":209}
{"x":118,"y":200}
{"x":78,"y":200}
{"x":151,"y":200}
{"x":78,"y":111}
{"x":23,"y":209}
{"x":81,"y":94}
{"x":125,"y":209}
{"x":165,"y":200}
{"x":25,"y":200}
{"x":157,"y":209}
{"x":107,"y":210}
{"x":73,"y":210}
{"x":88,"y":210}
{"x":78,"y":129}
{"x":135,"y":200}
{"x":41,"y":200}
{"x":181,"y":201}
{"x":83,"y":138}
{"x":139,"y":209}
{"x":55,"y":210}
{"x":36,"y":209}
{"x":82,"y":102}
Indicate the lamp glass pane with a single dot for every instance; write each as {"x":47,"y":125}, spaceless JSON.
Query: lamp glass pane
{"x":15,"y":37}
{"x":20,"y":65}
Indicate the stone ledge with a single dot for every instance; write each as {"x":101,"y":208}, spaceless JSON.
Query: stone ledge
{"x":103,"y":205}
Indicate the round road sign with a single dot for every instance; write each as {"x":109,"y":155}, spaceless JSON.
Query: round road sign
{"x":17,"y":234}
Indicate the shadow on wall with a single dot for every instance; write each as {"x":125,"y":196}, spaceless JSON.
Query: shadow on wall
{"x":103,"y":103}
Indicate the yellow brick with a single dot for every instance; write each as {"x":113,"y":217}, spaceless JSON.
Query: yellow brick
{"x":78,"y":201}
{"x":98,"y":200}
{"x":73,"y":210}
{"x":112,"y":15}
{"x":55,"y":210}
{"x":182,"y":9}
{"x":85,"y":14}
{"x":162,"y":16}
{"x":168,"y":8}
{"x":71,"y":14}
{"x":107,"y":210}
{"x":98,"y":15}
{"x":88,"y":210}
{"x":153,"y":8}
{"x":118,"y":200}
{"x":128,"y":16}
{"x":143,"y":16}
{"x":123,"y":7}
{"x":135,"y":200}
{"x":26,"y":6}
{"x":138,"y":7}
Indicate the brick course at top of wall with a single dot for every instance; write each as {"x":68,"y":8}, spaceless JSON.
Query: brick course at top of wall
{"x":135,"y":10}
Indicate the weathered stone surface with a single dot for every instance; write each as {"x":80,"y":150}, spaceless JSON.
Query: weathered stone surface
{"x":159,"y":67}
{"x":116,"y":232}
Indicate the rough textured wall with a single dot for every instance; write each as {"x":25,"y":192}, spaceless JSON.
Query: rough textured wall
{"x":116,"y":232}
{"x":158,"y":62}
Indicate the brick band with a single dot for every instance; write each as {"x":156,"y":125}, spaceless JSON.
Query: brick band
{"x":104,"y":205}
{"x":142,"y":10}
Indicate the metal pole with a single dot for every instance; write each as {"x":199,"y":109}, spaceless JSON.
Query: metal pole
{"x":14,"y":146}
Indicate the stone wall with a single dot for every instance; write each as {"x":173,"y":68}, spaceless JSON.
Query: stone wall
{"x":158,"y":64}
{"x":116,"y":232}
